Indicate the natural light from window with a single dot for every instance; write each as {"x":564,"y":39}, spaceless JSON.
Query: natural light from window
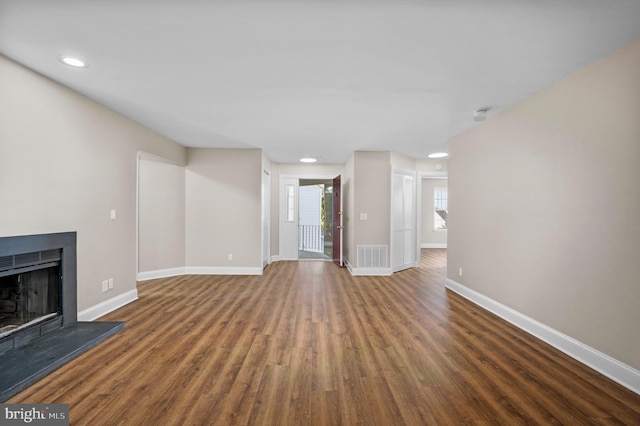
{"x":440,"y":198}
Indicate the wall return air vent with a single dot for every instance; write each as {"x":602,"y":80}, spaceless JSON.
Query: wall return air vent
{"x":372,"y":257}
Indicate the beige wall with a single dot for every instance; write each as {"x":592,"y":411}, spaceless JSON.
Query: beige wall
{"x":161,"y":209}
{"x":429,"y":235}
{"x":545,"y":206}
{"x":65,"y":163}
{"x":223,"y":208}
{"x":371,"y":195}
{"x":402,"y":161}
{"x":428,"y":165}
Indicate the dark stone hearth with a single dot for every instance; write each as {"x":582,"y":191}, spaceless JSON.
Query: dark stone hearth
{"x":33,"y":361}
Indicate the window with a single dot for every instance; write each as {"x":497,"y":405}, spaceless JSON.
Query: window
{"x":290,"y":200}
{"x":440,"y":197}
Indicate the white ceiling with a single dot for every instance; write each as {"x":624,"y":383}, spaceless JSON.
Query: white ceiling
{"x":316,"y":77}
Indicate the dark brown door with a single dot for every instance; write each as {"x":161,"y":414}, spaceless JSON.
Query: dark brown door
{"x":337,"y":222}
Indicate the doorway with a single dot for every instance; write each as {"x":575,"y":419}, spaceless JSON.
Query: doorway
{"x":312,"y":233}
{"x":432,"y":224}
{"x":403,"y":220}
{"x":315,"y":211}
{"x":434,"y":213}
{"x":266,"y":218}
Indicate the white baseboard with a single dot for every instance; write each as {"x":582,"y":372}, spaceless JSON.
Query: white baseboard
{"x":275,"y":258}
{"x":370,"y":272}
{"x":160,"y":273}
{"x":366,"y":272}
{"x":433,"y":245}
{"x":218,"y":270}
{"x":107,"y":306}
{"x":346,"y":263}
{"x":617,"y":371}
{"x":197,"y":270}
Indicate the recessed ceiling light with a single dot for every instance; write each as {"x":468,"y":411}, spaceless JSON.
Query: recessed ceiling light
{"x":73,"y":62}
{"x":308,"y":160}
{"x":438,"y":155}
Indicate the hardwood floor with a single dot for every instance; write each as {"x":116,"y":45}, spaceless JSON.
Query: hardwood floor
{"x":307,"y":344}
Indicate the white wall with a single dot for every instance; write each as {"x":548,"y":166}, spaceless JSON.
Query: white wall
{"x":310,"y":205}
{"x":65,"y":163}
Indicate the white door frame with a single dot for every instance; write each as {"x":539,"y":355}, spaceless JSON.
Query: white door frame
{"x":422,"y":176}
{"x":266,"y":217}
{"x":284,"y":237}
{"x":288,"y":229}
{"x":414,"y":258}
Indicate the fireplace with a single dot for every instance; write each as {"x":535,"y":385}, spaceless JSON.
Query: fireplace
{"x":39,"y":328}
{"x":30,"y":293}
{"x":37,"y":287}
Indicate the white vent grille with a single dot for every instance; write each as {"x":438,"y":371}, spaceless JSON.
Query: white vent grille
{"x":372,"y":256}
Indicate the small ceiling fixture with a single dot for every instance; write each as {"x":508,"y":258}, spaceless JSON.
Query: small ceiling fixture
{"x":73,"y":62}
{"x":308,"y":160}
{"x":480,"y":114}
{"x":438,"y":155}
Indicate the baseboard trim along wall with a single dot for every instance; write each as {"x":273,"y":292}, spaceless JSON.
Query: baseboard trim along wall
{"x":366,"y":272}
{"x":197,"y":270}
{"x":370,"y":272}
{"x":433,"y":245}
{"x":218,"y":270}
{"x":617,"y":371}
{"x":160,"y":273}
{"x":107,"y":306}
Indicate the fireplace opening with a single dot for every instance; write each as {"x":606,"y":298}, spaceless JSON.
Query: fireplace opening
{"x":29,"y":296}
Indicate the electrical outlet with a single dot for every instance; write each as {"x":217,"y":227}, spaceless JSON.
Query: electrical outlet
{"x":105,"y":286}
{"x":113,"y":214}
{"x":460,"y":272}
{"x":230,"y":256}
{"x":110,"y":283}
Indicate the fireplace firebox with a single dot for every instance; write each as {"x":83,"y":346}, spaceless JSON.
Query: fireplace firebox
{"x":30,"y":288}
{"x":39,"y":327}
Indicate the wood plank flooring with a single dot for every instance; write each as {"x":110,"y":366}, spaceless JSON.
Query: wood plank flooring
{"x":307,"y":344}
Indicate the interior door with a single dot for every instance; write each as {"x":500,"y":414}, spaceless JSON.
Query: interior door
{"x":337,"y":225}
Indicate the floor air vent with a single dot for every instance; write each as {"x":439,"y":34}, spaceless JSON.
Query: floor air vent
{"x":372,"y":256}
